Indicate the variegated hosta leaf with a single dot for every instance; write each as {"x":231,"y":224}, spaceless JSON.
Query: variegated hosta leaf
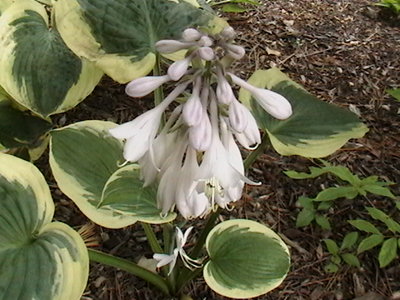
{"x":120,"y":35}
{"x":38,"y":69}
{"x":85,"y":161}
{"x":4,"y":4}
{"x":316,"y":128}
{"x":20,"y":129}
{"x":247,"y":259}
{"x":38,"y":259}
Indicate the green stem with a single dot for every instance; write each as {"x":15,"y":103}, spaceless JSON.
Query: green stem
{"x":151,"y":237}
{"x":252,"y":157}
{"x":187,"y":275}
{"x":130,"y":267}
{"x":159,"y":92}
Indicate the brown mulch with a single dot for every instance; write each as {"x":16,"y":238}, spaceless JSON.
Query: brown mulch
{"x":347,"y":53}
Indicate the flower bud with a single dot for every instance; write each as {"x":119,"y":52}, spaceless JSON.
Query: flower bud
{"x":200,"y":135}
{"x":228,"y":33}
{"x":206,"y":53}
{"x":191,"y":35}
{"x":171,"y":46}
{"x":238,"y":116}
{"x":224,"y":90}
{"x":192,"y":111}
{"x":205,"y":41}
{"x":235,"y":51}
{"x":145,"y":85}
{"x":179,"y":68}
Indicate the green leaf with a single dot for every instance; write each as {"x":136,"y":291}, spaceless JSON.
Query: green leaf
{"x":254,"y":249}
{"x":86,"y":175}
{"x":351,"y":259}
{"x":364,"y":226}
{"x":349,"y":240}
{"x":332,"y":246}
{"x":331,"y":268}
{"x":316,"y":128}
{"x":377,"y":214}
{"x":306,"y":202}
{"x":38,"y":69}
{"x":370,"y":242}
{"x":124,"y":193}
{"x":388,"y":252}
{"x":379,"y":190}
{"x":233,"y":8}
{"x":397,"y":204}
{"x":395,"y":93}
{"x":333,"y":193}
{"x":20,"y":129}
{"x":119,"y":35}
{"x":38,"y":259}
{"x":305,"y":217}
{"x":323,"y":221}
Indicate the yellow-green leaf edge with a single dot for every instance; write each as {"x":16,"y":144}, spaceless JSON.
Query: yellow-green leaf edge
{"x":234,"y":292}
{"x":306,"y":148}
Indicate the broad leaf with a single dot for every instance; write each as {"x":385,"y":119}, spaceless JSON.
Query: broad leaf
{"x":331,"y":268}
{"x":323,"y":221}
{"x":120,"y":35}
{"x":333,"y":248}
{"x":351,"y":259}
{"x":377,"y":214}
{"x":349,"y":240}
{"x":370,"y":242}
{"x":85,"y":161}
{"x":305,"y":217}
{"x":378,"y":190}
{"x":247,"y":259}
{"x":364,"y":226}
{"x":388,"y":252}
{"x":316,"y":128}
{"x":38,"y":69}
{"x":333,"y":193}
{"x":38,"y":259}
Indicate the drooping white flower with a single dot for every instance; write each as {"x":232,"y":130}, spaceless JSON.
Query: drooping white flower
{"x":238,"y":116}
{"x":189,"y":201}
{"x":228,"y":33}
{"x":193,"y":110}
{"x":179,"y":68}
{"x":145,"y":85}
{"x":205,"y":41}
{"x":250,"y":137}
{"x":170,"y":259}
{"x":224,"y":90}
{"x":273,"y":103}
{"x":235,"y":51}
{"x":140,"y":132}
{"x":201,"y":134}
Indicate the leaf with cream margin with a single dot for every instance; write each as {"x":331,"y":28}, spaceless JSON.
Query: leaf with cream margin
{"x":38,"y":70}
{"x":119,"y":35}
{"x":85,"y":160}
{"x":247,"y":259}
{"x":38,"y":259}
{"x":316,"y":128}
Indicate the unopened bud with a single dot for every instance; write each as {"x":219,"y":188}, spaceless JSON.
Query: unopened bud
{"x":200,"y":136}
{"x":171,"y":46}
{"x":206,"y":53}
{"x":179,"y":68}
{"x":205,"y":41}
{"x":238,"y":116}
{"x":192,"y":111}
{"x":145,"y":85}
{"x":224,"y":90}
{"x":191,"y":35}
{"x":235,"y":51}
{"x":228,"y":33}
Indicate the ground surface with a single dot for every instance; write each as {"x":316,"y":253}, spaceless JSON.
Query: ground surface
{"x":347,"y":53}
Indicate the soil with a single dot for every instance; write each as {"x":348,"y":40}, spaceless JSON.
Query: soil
{"x":347,"y":53}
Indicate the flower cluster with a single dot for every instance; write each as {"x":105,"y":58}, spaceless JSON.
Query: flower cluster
{"x":194,"y":157}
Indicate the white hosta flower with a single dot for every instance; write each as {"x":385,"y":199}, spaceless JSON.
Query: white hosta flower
{"x":179,"y":68}
{"x":145,"y":85}
{"x":205,"y":41}
{"x":250,"y":137}
{"x":224,"y":90}
{"x":206,"y":53}
{"x":170,"y":259}
{"x":235,"y":51}
{"x":189,"y":201}
{"x":201,"y":134}
{"x":191,"y":35}
{"x":193,"y":109}
{"x":140,"y":132}
{"x":238,"y":116}
{"x":273,"y":103}
{"x":171,"y":46}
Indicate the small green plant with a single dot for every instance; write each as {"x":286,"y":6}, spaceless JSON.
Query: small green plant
{"x":343,"y":253}
{"x":388,"y":236}
{"x":394,"y":5}
{"x":232,"y":6}
{"x":315,"y":208}
{"x":395,"y":93}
